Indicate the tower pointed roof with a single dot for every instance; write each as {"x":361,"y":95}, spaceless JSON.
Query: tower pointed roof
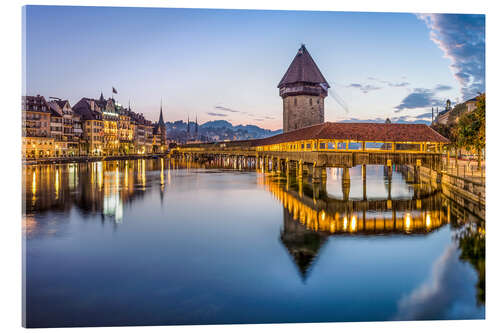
{"x":303,"y":69}
{"x":160,"y":121}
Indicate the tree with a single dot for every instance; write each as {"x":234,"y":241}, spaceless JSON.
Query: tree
{"x":449,"y":131}
{"x":472,"y":127}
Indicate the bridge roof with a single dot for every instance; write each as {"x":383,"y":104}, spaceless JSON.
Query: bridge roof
{"x":359,"y":132}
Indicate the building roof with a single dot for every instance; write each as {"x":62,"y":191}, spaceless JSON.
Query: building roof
{"x":55,"y":109}
{"x":303,"y":69}
{"x":35,"y":103}
{"x":358,"y":132}
{"x":83,"y":108}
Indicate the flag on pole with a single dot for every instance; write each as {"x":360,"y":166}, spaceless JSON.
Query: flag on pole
{"x":114,"y":90}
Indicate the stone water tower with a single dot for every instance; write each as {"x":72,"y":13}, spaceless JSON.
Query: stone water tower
{"x":303,"y":89}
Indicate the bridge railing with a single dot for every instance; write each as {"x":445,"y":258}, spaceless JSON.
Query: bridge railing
{"x":320,"y":145}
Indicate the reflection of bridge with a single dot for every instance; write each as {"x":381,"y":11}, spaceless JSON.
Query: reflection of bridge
{"x":420,"y":214}
{"x":308,"y":221}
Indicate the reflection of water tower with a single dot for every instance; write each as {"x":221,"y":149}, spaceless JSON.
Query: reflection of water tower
{"x":302,"y":244}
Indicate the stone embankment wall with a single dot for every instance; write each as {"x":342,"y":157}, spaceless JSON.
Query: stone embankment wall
{"x":468,"y":193}
{"x":79,"y":159}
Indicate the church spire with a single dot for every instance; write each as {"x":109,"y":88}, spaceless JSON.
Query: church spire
{"x":196,"y":126}
{"x":160,"y":121}
{"x":188,"y":126}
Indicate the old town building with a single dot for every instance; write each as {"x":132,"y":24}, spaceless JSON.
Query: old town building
{"x":37,"y":140}
{"x":92,"y":127}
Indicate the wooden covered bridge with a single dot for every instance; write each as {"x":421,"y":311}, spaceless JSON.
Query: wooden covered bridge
{"x":342,"y":145}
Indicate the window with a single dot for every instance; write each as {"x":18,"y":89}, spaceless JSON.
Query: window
{"x":322,"y":145}
{"x":355,"y":145}
{"x":310,"y":101}
{"x":341,"y":145}
{"x":308,"y":146}
{"x":317,"y":101}
{"x":408,"y":146}
{"x":331,"y":145}
{"x":295,"y":103}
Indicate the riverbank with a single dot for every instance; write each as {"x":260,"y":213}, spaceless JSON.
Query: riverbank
{"x":468,"y":193}
{"x":82,"y":159}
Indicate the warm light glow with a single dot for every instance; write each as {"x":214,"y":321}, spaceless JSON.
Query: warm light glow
{"x":353,"y":223}
{"x":407,"y":221}
{"x":428,"y":222}
{"x":56,"y":184}
{"x":345,"y":223}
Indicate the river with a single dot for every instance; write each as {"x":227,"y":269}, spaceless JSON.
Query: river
{"x":159,"y":242}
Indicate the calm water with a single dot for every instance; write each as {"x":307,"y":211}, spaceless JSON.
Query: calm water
{"x":153,"y":242}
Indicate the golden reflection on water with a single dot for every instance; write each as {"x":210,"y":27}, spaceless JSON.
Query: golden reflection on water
{"x":100,"y":187}
{"x":371,"y":216}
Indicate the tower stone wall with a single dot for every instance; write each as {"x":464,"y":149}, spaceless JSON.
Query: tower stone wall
{"x":302,"y":111}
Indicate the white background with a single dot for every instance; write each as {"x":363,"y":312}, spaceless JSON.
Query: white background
{"x":10,"y":148}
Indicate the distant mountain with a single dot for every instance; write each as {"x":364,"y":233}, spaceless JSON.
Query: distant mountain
{"x":217,"y":124}
{"x":216,"y":130}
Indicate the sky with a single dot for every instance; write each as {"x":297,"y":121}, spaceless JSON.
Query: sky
{"x":226,"y":64}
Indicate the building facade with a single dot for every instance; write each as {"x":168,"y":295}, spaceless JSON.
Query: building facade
{"x":303,"y":89}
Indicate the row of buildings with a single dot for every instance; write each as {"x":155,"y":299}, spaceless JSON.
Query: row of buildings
{"x":91,"y":127}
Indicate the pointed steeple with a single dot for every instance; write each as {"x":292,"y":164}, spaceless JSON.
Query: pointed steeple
{"x":160,"y":121}
{"x":303,"y":69}
{"x":101,"y":98}
{"x":188,"y":131}
{"x":196,"y":126}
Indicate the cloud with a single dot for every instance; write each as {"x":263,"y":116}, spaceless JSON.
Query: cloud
{"x":223,"y":108}
{"x":215,"y":114}
{"x":398,"y":84}
{"x":359,"y":120}
{"x":424,"y":115}
{"x":449,"y":293}
{"x":394,"y":120}
{"x":389,"y":83}
{"x":442,"y":87}
{"x":365,"y":88}
{"x":419,"y":98}
{"x":462,"y":39}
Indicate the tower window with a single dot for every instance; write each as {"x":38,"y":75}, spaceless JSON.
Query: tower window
{"x":295,"y":101}
{"x":310,"y":101}
{"x":318,"y":101}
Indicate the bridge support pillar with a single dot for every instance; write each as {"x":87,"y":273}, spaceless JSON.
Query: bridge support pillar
{"x":363,"y":176}
{"x":416,"y":174}
{"x":317,"y":174}
{"x":346,"y":183}
{"x":388,"y":178}
{"x":290,"y":167}
{"x":278,"y":165}
{"x":300,"y":169}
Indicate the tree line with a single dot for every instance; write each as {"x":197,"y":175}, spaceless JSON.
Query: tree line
{"x":467,"y":131}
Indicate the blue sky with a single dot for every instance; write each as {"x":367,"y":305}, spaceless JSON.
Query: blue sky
{"x":225,"y":64}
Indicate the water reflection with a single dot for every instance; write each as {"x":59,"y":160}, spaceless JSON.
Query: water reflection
{"x":93,"y":188}
{"x":309,"y":218}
